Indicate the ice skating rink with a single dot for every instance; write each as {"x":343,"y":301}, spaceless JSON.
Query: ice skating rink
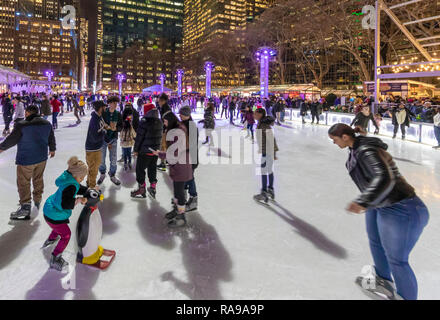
{"x":306,"y":247}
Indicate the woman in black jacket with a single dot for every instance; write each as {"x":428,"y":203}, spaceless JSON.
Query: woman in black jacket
{"x":8,"y":111}
{"x":395,"y":216}
{"x":361,"y":121}
{"x":209,"y":123}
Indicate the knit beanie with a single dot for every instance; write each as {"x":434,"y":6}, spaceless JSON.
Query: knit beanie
{"x":185,"y":111}
{"x":148,"y":107}
{"x":77,"y":167}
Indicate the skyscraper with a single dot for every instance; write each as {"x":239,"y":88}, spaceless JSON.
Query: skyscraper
{"x":35,"y":41}
{"x":209,"y":20}
{"x":140,"y":39}
{"x":7,"y":30}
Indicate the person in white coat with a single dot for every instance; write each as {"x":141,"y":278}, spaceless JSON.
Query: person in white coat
{"x":19,"y":110}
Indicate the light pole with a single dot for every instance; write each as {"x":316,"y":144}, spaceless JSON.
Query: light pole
{"x":209,"y":66}
{"x":264,"y":56}
{"x":162,"y":78}
{"x":180,"y":74}
{"x":49,"y":75}
{"x":121,"y":78}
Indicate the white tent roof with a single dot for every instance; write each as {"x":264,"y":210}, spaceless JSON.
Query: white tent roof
{"x":11,"y":76}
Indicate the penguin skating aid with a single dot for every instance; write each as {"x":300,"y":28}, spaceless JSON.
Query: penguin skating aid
{"x":89,"y":234}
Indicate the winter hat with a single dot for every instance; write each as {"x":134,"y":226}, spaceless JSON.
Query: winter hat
{"x":148,"y":107}
{"x":98,"y":105}
{"x":185,"y":111}
{"x":77,"y":167}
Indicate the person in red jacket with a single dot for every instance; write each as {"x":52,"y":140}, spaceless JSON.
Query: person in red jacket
{"x":56,"y":107}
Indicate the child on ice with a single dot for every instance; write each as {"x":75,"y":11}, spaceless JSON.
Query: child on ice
{"x":128,"y":136}
{"x":58,"y":209}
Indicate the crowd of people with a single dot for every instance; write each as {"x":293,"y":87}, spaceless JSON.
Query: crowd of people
{"x":159,"y":132}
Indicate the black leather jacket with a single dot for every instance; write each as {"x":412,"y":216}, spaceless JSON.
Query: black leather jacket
{"x":376,"y":175}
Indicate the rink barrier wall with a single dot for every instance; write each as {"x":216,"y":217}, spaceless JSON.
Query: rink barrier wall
{"x":417,"y":132}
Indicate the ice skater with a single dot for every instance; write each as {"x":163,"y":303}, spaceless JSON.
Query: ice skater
{"x":395,"y":215}
{"x":209,"y":123}
{"x":250,"y":121}
{"x":180,"y":167}
{"x":362,"y":119}
{"x":267,"y":147}
{"x":148,"y":137}
{"x":58,"y":209}
{"x":128,"y":136}
{"x":193,"y":131}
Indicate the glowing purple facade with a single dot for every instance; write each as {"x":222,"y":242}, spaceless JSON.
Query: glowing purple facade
{"x":162,"y":78}
{"x":209,"y":66}
{"x":180,"y":74}
{"x":264,"y":55}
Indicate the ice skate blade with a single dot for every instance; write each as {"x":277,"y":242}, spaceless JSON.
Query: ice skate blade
{"x":371,"y":294}
{"x":138,"y":198}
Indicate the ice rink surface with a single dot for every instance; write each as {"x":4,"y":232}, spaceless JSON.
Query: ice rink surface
{"x":305,"y":247}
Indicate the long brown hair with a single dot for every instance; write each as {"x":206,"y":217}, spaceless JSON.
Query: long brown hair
{"x":339,"y":129}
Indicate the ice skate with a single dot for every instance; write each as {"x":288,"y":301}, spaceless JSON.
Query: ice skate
{"x":140,"y":193}
{"x":121,"y":160}
{"x":130,"y":167}
{"x":58,"y":263}
{"x":376,"y":287}
{"x":152,"y":192}
{"x":115,"y":180}
{"x":191,"y":205}
{"x":125,"y":167}
{"x":162,"y":167}
{"x":172,"y":214}
{"x":23,"y":213}
{"x":49,"y":242}
{"x":262,"y":198}
{"x":271,"y":194}
{"x":101,"y":179}
{"x":37,"y":205}
{"x":178,"y":222}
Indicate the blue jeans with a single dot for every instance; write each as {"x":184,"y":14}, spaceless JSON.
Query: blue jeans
{"x":112,"y":156}
{"x":55,"y":119}
{"x":437,"y":134}
{"x":231,"y":116}
{"x":191,"y":186}
{"x":126,"y":154}
{"x":393,"y":232}
{"x":267,"y":177}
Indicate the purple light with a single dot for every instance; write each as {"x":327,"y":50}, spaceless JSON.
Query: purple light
{"x":266,"y":53}
{"x":209,"y":66}
{"x":180,"y":74}
{"x":120,"y":78}
{"x":162,"y":78}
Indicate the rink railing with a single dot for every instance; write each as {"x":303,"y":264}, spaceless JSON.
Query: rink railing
{"x":417,"y":132}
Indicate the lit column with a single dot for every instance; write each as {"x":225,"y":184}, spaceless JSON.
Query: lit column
{"x":377,"y":92}
{"x":264,"y":56}
{"x":49,"y":75}
{"x":180,"y":74}
{"x":121,"y":78}
{"x":162,"y":78}
{"x":209,"y":66}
